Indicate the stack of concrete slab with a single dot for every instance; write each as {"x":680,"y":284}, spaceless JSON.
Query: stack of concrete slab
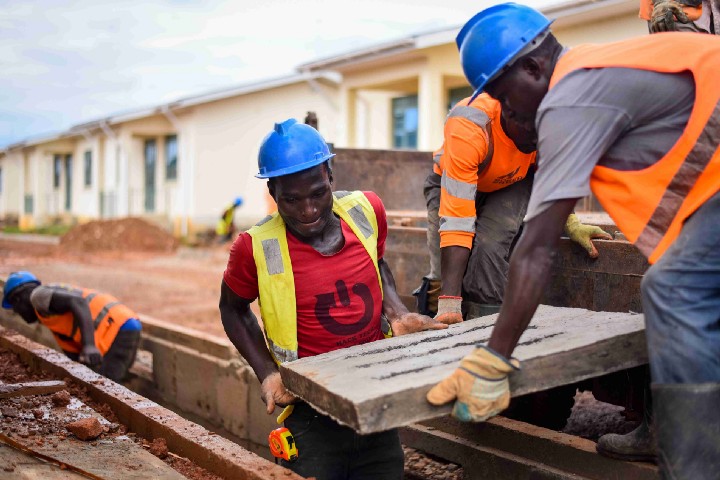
{"x":382,"y":385}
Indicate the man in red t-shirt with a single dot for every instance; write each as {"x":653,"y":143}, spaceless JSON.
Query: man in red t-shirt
{"x":317,"y":268}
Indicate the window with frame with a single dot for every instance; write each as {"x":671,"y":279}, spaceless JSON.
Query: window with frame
{"x":57,"y":170}
{"x":88,"y":168}
{"x":171,"y":157}
{"x":405,"y":121}
{"x":457,"y":94}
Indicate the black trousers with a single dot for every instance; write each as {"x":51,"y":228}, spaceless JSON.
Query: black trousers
{"x":119,"y":358}
{"x":330,"y":451}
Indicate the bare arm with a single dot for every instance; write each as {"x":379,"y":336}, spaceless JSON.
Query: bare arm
{"x":63,"y":302}
{"x":528,"y":276}
{"x":244,"y":332}
{"x":454,"y":261}
{"x":401,"y":320}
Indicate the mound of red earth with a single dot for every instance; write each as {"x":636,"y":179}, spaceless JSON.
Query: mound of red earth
{"x":126,"y":234}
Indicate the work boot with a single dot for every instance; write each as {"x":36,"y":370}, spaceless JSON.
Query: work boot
{"x":475,"y":310}
{"x":426,"y":296}
{"x":636,"y":446}
{"x":687,"y":420}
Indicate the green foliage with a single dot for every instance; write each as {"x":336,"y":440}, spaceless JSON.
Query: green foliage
{"x":55,"y":229}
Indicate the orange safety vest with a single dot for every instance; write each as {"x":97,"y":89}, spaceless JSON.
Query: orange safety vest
{"x":650,"y":205}
{"x":504,"y":164}
{"x":646,"y":8}
{"x":107,"y":313}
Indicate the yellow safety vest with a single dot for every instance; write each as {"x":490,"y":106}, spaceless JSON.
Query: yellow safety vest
{"x":276,"y":283}
{"x":223,"y":225}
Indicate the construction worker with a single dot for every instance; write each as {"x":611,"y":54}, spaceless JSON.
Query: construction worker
{"x":476,"y":196}
{"x":317,"y":268}
{"x":90,"y":327}
{"x":702,"y":16}
{"x":225,"y":229}
{"x":638,"y":122}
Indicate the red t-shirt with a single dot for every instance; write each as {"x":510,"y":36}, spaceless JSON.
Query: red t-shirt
{"x":339,"y":301}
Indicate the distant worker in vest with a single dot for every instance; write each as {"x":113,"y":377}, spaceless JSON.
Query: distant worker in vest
{"x":91,"y":327}
{"x":225,"y":229}
{"x":317,"y":268}
{"x":476,"y":197}
{"x":701,"y":16}
{"x":638,"y":122}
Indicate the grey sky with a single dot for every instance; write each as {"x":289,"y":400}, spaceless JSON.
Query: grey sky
{"x":66,"y":62}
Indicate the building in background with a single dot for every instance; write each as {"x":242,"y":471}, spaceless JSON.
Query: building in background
{"x":176,"y":163}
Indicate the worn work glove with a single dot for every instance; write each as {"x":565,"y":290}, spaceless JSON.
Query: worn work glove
{"x":479,"y":386}
{"x":584,"y":234}
{"x":449,"y":310}
{"x":665,"y":14}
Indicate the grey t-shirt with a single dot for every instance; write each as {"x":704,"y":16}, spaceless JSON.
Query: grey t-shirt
{"x":40,"y":299}
{"x":623,"y":118}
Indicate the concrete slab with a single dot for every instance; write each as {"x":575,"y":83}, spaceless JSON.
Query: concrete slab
{"x":382,"y":385}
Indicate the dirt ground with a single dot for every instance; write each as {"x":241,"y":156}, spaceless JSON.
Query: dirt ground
{"x":36,"y":417}
{"x":181,"y":287}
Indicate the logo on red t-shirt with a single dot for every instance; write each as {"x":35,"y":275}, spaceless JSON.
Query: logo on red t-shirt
{"x":326,"y":302}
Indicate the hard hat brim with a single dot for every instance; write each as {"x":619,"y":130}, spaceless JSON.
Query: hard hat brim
{"x":5,"y":303}
{"x":295,"y":168}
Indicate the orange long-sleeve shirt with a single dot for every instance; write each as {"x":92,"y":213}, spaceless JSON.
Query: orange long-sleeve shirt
{"x":476,"y":156}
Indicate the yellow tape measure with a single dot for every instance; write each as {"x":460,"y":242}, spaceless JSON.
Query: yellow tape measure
{"x":282,"y":444}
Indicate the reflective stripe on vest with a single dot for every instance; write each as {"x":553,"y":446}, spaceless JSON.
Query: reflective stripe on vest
{"x":650,"y":205}
{"x":458,"y":189}
{"x":276,"y":284}
{"x":107,"y":315}
{"x":457,"y":224}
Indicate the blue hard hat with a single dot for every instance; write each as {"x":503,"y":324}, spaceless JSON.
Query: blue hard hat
{"x":238,"y":201}
{"x":493,"y":37}
{"x":14,"y":280}
{"x":290,"y":148}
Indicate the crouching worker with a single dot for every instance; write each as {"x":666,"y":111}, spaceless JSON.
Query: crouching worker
{"x":317,"y":268}
{"x":91,"y":327}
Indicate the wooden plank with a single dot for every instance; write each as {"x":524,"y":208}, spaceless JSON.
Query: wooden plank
{"x":382,"y":385}
{"x":30,"y":388}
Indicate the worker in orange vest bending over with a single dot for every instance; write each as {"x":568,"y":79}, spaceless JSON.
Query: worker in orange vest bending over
{"x":476,"y":197}
{"x":90,"y":327}
{"x":638,"y":122}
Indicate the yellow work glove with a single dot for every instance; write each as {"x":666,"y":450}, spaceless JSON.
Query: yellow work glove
{"x":479,"y":386}
{"x":664,"y":16}
{"x":449,"y":310}
{"x":584,"y":234}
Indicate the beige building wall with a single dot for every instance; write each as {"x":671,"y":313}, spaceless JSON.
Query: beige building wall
{"x":224,"y":139}
{"x":11,"y":197}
